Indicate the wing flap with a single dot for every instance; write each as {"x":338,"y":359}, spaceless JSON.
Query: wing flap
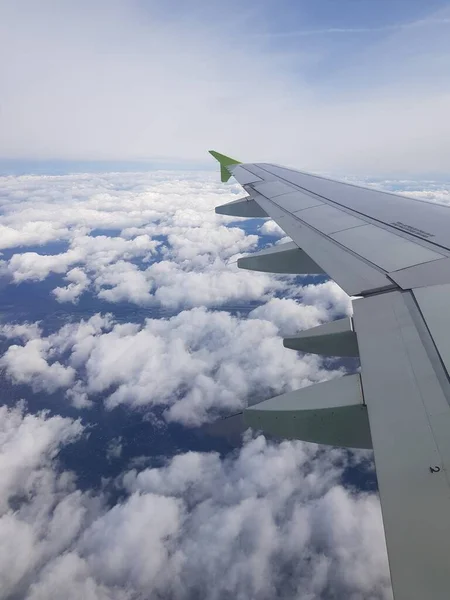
{"x":284,"y":258}
{"x":331,"y":412}
{"x":244,"y":207}
{"x":335,"y":338}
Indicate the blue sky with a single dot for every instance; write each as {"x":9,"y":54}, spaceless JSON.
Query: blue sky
{"x":350,"y":14}
{"x":304,"y":15}
{"x":344,"y":87}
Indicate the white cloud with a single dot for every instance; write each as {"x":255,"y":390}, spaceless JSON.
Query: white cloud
{"x":198,"y":252}
{"x":40,"y":512}
{"x":215,"y":285}
{"x":24,"y":331}
{"x":123,"y":281}
{"x":196,"y":364}
{"x":327,"y":297}
{"x":134,"y":542}
{"x":269,"y":520}
{"x":95,"y":252}
{"x":441,"y":196}
{"x":36,"y":232}
{"x":78,"y":283}
{"x":312,"y":305}
{"x":196,"y":249}
{"x":289,"y":316}
{"x":271,"y":228}
{"x":167,"y":246}
{"x":192,"y":243}
{"x":34,"y":266}
{"x":26,"y":442}
{"x":174,"y":286}
{"x":253,"y":516}
{"x":137,"y":203}
{"x":32,"y":363}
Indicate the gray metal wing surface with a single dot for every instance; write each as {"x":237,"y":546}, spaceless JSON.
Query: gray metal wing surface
{"x":393,"y":253}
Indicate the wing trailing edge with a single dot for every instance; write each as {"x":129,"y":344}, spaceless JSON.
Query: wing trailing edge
{"x":331,"y":412}
{"x":244,"y":207}
{"x":335,"y":338}
{"x":285,"y":258}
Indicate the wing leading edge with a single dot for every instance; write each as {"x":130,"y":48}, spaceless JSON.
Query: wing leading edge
{"x":393,"y":252}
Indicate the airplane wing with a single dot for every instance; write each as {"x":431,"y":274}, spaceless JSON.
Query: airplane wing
{"x":393,"y":252}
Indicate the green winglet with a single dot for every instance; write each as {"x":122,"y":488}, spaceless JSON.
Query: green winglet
{"x":224,"y":161}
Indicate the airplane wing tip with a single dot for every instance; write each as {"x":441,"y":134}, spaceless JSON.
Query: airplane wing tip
{"x":224,"y":161}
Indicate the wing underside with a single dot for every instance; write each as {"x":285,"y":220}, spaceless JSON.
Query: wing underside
{"x":393,"y":253}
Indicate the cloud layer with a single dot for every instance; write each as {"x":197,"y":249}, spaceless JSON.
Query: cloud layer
{"x":197,"y":364}
{"x":191,"y":254}
{"x":151,"y":239}
{"x":269,"y":520}
{"x":259,"y":524}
